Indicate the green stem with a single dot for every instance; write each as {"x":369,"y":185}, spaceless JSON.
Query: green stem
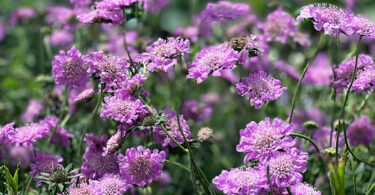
{"x":170,"y":137}
{"x":370,"y":189}
{"x":178,"y":165}
{"x":63,"y":109}
{"x":306,"y":138}
{"x":269,"y":180}
{"x":289,"y":192}
{"x":353,"y":174}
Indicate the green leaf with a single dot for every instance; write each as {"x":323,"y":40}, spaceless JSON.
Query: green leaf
{"x":12,"y":181}
{"x":61,"y":187}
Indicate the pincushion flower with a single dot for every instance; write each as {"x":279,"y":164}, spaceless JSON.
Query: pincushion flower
{"x":286,"y":168}
{"x":260,"y":141}
{"x":61,"y":38}
{"x":141,"y":166}
{"x":320,"y":71}
{"x":112,"y":70}
{"x":171,"y":125}
{"x":61,"y":136}
{"x":328,"y":18}
{"x":103,"y":13}
{"x":68,"y":69}
{"x":113,"y":143}
{"x":279,"y":26}
{"x":21,"y":15}
{"x":260,"y":87}
{"x":155,"y":6}
{"x":365,"y":80}
{"x":162,"y":55}
{"x":29,"y":134}
{"x":117,"y":4}
{"x":85,"y":95}
{"x":249,"y":181}
{"x":212,"y":60}
{"x":362,"y":26}
{"x":5,"y":132}
{"x":44,"y":163}
{"x":247,"y":46}
{"x":82,"y":189}
{"x":361,"y":131}
{"x":135,"y":83}
{"x":110,"y":184}
{"x":123,"y":108}
{"x":223,"y":11}
{"x":96,"y":165}
{"x":304,"y":189}
{"x":32,"y":111}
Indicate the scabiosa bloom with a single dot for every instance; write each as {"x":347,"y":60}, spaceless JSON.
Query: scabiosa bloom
{"x":212,"y":60}
{"x":102,"y":14}
{"x":329,"y":18}
{"x":193,"y":110}
{"x":29,"y":134}
{"x":85,"y":95}
{"x":32,"y":111}
{"x":171,"y":125}
{"x":162,"y":54}
{"x":190,"y":32}
{"x":345,"y":71}
{"x":320,"y":72}
{"x":44,"y":163}
{"x":365,"y":80}
{"x":117,"y":4}
{"x":2,"y":31}
{"x":262,"y":140}
{"x":304,"y":189}
{"x":285,"y":168}
{"x":259,"y":87}
{"x":135,"y":83}
{"x":5,"y":133}
{"x":113,"y":143}
{"x":361,"y":131}
{"x":155,"y":6}
{"x":110,"y":185}
{"x":123,"y":108}
{"x":362,"y":26}
{"x":279,"y":26}
{"x":141,"y":166}
{"x":246,"y":46}
{"x":21,"y":15}
{"x":248,"y":181}
{"x":112,"y":70}
{"x":82,"y":189}
{"x":67,"y":68}
{"x":19,"y":154}
{"x":96,"y":165}
{"x":61,"y":136}
{"x":223,"y":11}
{"x":61,"y":38}
{"x":78,"y":3}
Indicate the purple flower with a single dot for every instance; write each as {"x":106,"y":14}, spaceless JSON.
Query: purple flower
{"x":21,"y":15}
{"x":322,"y":138}
{"x":5,"y":132}
{"x":141,"y":166}
{"x":29,"y":134}
{"x":247,"y":47}
{"x":32,"y":111}
{"x":112,"y":70}
{"x":110,"y":185}
{"x":248,"y":181}
{"x":287,"y":69}
{"x":302,"y":39}
{"x":345,"y":71}
{"x":242,"y":27}
{"x":362,"y":26}
{"x":61,"y":38}
{"x":78,"y":3}
{"x":361,"y":131}
{"x":123,"y":108}
{"x":191,"y":109}
{"x":279,"y":26}
{"x":155,"y":6}
{"x":113,"y":143}
{"x":365,"y":80}
{"x":210,"y":98}
{"x":320,"y":72}
{"x":67,"y":69}
{"x":85,"y":95}
{"x":329,"y":18}
{"x":190,"y":32}
{"x":310,"y":114}
{"x":135,"y":83}
{"x":44,"y":163}
{"x":117,"y":4}
{"x":285,"y":168}
{"x":171,"y":125}
{"x":103,"y":13}
{"x":304,"y":189}
{"x":82,"y":189}
{"x":2,"y":31}
{"x":19,"y":154}
{"x":61,"y":136}
{"x":260,"y":141}
{"x":223,"y":11}
{"x":260,"y":87}
{"x":212,"y":60}
{"x":162,"y":55}
{"x":96,"y":165}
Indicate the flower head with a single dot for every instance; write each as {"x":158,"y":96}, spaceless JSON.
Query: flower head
{"x":260,"y":141}
{"x":247,"y":47}
{"x":192,"y":109}
{"x":67,"y":69}
{"x":365,"y":80}
{"x":212,"y":60}
{"x":162,"y":55}
{"x":44,"y":163}
{"x":320,"y":72}
{"x":29,"y":134}
{"x":103,"y":13}
{"x":82,"y":189}
{"x":141,"y":166}
{"x":85,"y":95}
{"x":172,"y":127}
{"x":21,"y":15}
{"x":259,"y":87}
{"x":5,"y":132}
{"x":304,"y":189}
{"x":362,"y":26}
{"x":61,"y":135}
{"x":61,"y":38}
{"x":110,"y":185}
{"x":361,"y":131}
{"x":113,"y":144}
{"x":155,"y":6}
{"x":32,"y":111}
{"x":241,"y":181}
{"x":223,"y":11}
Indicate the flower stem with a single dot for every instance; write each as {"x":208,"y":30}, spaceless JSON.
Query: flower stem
{"x":370,"y":189}
{"x":178,"y":165}
{"x":170,"y":137}
{"x":306,"y":138}
{"x":268,"y":179}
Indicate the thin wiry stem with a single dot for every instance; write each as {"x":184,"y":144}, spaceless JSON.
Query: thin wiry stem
{"x":170,"y":137}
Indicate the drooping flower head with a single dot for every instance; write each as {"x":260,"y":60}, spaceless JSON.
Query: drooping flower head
{"x":171,"y":125}
{"x":112,"y":70}
{"x":286,"y":168}
{"x":279,"y":26}
{"x":361,"y":131}
{"x":260,"y":141}
{"x":134,"y":84}
{"x":162,"y":55}
{"x":85,"y":95}
{"x":249,"y":181}
{"x":61,"y":136}
{"x":110,"y":185}
{"x":304,"y":189}
{"x":123,"y":108}
{"x":260,"y":87}
{"x":44,"y":162}
{"x":212,"y":60}
{"x":67,"y":69}
{"x":29,"y":134}
{"x":5,"y":132}
{"x":155,"y":6}
{"x":96,"y":165}
{"x":365,"y":80}
{"x":113,"y":143}
{"x":328,"y":18}
{"x":141,"y":166}
{"x":32,"y":111}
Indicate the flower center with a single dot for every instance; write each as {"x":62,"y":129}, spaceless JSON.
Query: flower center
{"x":281,"y":166}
